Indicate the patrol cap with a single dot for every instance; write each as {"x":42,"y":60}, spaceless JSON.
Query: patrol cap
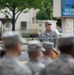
{"x":35,"y":46}
{"x":12,"y":38}
{"x":67,"y":40}
{"x":47,"y":23}
{"x":47,"y":45}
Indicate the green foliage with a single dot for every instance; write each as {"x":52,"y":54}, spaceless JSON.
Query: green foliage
{"x":48,"y":5}
{"x":17,"y":7}
{"x":46,"y":11}
{"x":20,"y":5}
{"x":42,"y":15}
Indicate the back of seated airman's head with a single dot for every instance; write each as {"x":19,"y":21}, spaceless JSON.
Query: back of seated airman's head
{"x":66,"y":44}
{"x":35,"y":49}
{"x":49,"y":49}
{"x":12,"y":40}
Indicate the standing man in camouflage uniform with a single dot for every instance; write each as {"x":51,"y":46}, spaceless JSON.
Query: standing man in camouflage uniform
{"x":35,"y":54}
{"x":64,"y":65}
{"x":48,"y":53}
{"x":48,"y":35}
{"x":9,"y":64}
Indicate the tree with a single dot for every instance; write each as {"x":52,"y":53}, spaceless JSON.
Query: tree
{"x":47,"y":6}
{"x":42,"y":15}
{"x":17,"y":7}
{"x":47,"y":12}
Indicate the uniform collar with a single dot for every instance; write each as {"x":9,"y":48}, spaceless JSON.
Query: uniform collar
{"x":46,"y":57}
{"x":10,"y":57}
{"x":46,"y":32}
{"x":49,"y":32}
{"x":65,"y":56}
{"x":34,"y":60}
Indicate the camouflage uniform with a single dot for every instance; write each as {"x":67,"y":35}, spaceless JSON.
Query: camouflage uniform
{"x":48,"y":46}
{"x":51,"y":37}
{"x":64,"y":65}
{"x":46,"y":60}
{"x":11,"y":66}
{"x":34,"y":64}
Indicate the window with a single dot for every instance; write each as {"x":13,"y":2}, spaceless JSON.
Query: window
{"x":33,"y":20}
{"x":23,"y":25}
{"x":40,"y":25}
{"x":7,"y":24}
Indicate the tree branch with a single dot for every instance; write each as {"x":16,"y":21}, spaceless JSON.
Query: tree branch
{"x":47,"y":10}
{"x":8,"y":7}
{"x":28,"y":3}
{"x":18,"y":16}
{"x":16,"y":11}
{"x":2,"y":12}
{"x":22,"y":10}
{"x":9,"y":13}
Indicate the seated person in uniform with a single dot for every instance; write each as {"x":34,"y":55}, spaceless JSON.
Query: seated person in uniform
{"x":9,"y":64}
{"x":64,"y":64}
{"x":35,"y":54}
{"x":49,"y":53}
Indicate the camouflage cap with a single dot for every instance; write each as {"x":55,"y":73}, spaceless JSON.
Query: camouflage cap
{"x":12,"y":38}
{"x":66,"y":41}
{"x":47,"y":45}
{"x":35,"y":46}
{"x":48,"y":23}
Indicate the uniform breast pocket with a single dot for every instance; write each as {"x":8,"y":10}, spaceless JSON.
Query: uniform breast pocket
{"x":51,"y":39}
{"x":43,"y":36}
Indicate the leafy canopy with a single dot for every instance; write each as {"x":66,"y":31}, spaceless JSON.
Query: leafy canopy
{"x":46,"y":11}
{"x":17,"y":7}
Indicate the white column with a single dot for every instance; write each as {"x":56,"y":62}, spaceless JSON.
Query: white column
{"x":68,"y":25}
{"x":63,"y":25}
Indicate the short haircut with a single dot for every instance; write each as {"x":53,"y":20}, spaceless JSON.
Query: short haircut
{"x":66,"y":44}
{"x":66,"y":49}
